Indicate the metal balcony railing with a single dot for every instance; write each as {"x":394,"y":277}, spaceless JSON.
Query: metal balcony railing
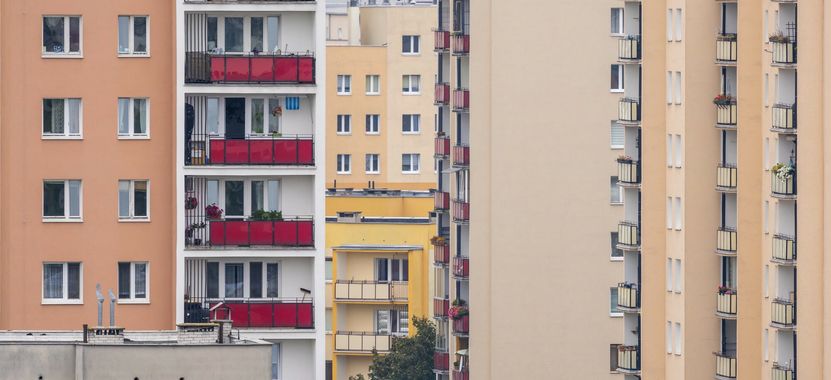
{"x":727,"y":48}
{"x":461,"y":99}
{"x":461,"y":267}
{"x":461,"y":155}
{"x":727,"y":240}
{"x":783,"y":117}
{"x":461,"y":43}
{"x":353,"y":290}
{"x":784,"y":248}
{"x":783,"y":313}
{"x":629,"y":172}
{"x":442,"y":94}
{"x":441,"y":307}
{"x":629,"y":234}
{"x":727,"y":114}
{"x":461,"y":211}
{"x":782,"y":372}
{"x":726,"y":304}
{"x":252,"y":312}
{"x":203,"y":67}
{"x":783,"y":187}
{"x":294,"y":151}
{"x":784,"y":53}
{"x":351,"y":341}
{"x":629,"y":110}
{"x":726,"y":365}
{"x":727,"y":177}
{"x":628,"y":296}
{"x":442,"y":40}
{"x":442,"y":146}
{"x":628,"y":359}
{"x":629,"y":48}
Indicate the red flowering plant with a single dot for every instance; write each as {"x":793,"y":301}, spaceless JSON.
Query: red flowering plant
{"x":723,"y":100}
{"x":725,"y":290}
{"x":213,"y":211}
{"x":191,"y":203}
{"x":458,"y":310}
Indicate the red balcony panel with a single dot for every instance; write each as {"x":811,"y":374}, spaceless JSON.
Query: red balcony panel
{"x":239,"y":313}
{"x":461,"y":211}
{"x":441,"y":361}
{"x":461,"y":155}
{"x":293,"y":232}
{"x":288,"y":152}
{"x":461,"y":99}
{"x":262,"y":69}
{"x":217,"y":151}
{"x":441,"y":306}
{"x":260,"y":315}
{"x":442,"y":146}
{"x":254,"y":232}
{"x":262,"y":232}
{"x":461,"y":375}
{"x":236,"y":152}
{"x":442,"y":93}
{"x":305,"y":233}
{"x":261,"y":151}
{"x":307,"y":70}
{"x":461,"y":267}
{"x":442,"y":253}
{"x":461,"y":44}
{"x":237,"y":69}
{"x":217,"y":69}
{"x":229,"y":232}
{"x":286,"y":69}
{"x":281,"y":151}
{"x":268,"y":313}
{"x":442,"y":40}
{"x":462,"y":325}
{"x":441,"y":200}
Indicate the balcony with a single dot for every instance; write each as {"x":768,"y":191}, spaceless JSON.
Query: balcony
{"x":784,"y":52}
{"x":442,"y":94}
{"x":461,"y":326}
{"x":441,"y":249}
{"x":461,"y":43}
{"x":441,"y":361}
{"x":628,"y":298}
{"x":293,"y":232}
{"x":461,"y":211}
{"x":628,"y":172}
{"x":246,"y":1}
{"x":726,"y":305}
{"x":370,"y":291}
{"x":442,"y":40}
{"x":461,"y":267}
{"x":727,"y":178}
{"x":628,"y":359}
{"x":290,"y":151}
{"x":629,"y":111}
{"x":249,"y":69}
{"x":783,"y":118}
{"x":727,"y":240}
{"x":727,"y":112}
{"x":441,"y":201}
{"x":442,"y":146}
{"x":362,"y":342}
{"x":725,"y":365}
{"x":461,"y":155}
{"x":782,"y":314}
{"x":462,"y":374}
{"x":252,"y":312}
{"x":783,"y":181}
{"x":629,"y":49}
{"x":461,"y":100}
{"x":782,"y":372}
{"x":784,"y":249}
{"x":441,"y":306}
{"x":726,"y":49}
{"x":629,"y":236}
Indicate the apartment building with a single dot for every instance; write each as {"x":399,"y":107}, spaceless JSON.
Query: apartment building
{"x":379,"y":114}
{"x":379,"y":272}
{"x":549,"y":269}
{"x":86,"y":169}
{"x":250,"y":143}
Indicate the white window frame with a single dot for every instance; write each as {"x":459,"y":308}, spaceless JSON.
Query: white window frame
{"x":670,"y":218}
{"x":670,"y":146}
{"x":417,"y":164}
{"x":417,"y":45}
{"x":376,"y":168}
{"x":247,"y":202}
{"x":344,"y":84}
{"x":612,"y":313}
{"x":66,"y":135}
{"x":679,"y":25}
{"x":343,"y":164}
{"x":670,"y":29}
{"x":613,"y":181}
{"x":66,"y":217}
{"x":670,"y":277}
{"x":415,"y":120}
{"x":372,"y":124}
{"x":620,"y":78}
{"x":620,"y":21}
{"x":133,"y":299}
{"x":130,"y":135}
{"x":614,"y":247}
{"x":679,"y":91}
{"x":66,"y":36}
{"x":373,"y":84}
{"x":246,"y":277}
{"x":669,"y":337}
{"x":410,"y":89}
{"x":343,"y":124}
{"x":678,"y":287}
{"x":64,"y":300}
{"x":131,"y":190}
{"x":622,"y":131}
{"x":679,"y":340}
{"x":276,"y":362}
{"x":131,"y":53}
{"x":678,"y":224}
{"x":246,"y":33}
{"x":669,"y":87}
{"x":679,"y":151}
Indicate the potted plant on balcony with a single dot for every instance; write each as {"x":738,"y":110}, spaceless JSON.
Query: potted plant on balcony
{"x":213,"y":212}
{"x":783,"y":171}
{"x":458,"y":310}
{"x":779,"y":37}
{"x":725,"y":290}
{"x":723,"y":100}
{"x":191,"y":203}
{"x":263,"y":215}
{"x":438,"y":240}
{"x":727,"y":37}
{"x":624,"y":159}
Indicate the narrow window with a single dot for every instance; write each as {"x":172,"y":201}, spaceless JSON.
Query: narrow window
{"x":344,"y":124}
{"x":132,"y":35}
{"x":679,"y":278}
{"x":617,"y":78}
{"x":411,"y":84}
{"x":373,"y":84}
{"x":344,"y":84}
{"x":617,"y":21}
{"x":344,"y":164}
{"x":133,"y":200}
{"x":617,"y":253}
{"x":679,"y":24}
{"x":410,"y":163}
{"x":615,"y":191}
{"x":372,"y":164}
{"x":616,"y":135}
{"x":61,"y":35}
{"x":373,"y":126}
{"x":133,"y":118}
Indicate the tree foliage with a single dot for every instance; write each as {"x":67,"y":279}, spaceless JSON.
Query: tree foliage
{"x":410,"y":358}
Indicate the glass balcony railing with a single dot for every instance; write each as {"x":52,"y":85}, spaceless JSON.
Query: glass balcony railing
{"x":254,"y":68}
{"x":726,"y":365}
{"x":784,"y":249}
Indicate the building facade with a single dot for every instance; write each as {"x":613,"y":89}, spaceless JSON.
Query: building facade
{"x":380,"y":114}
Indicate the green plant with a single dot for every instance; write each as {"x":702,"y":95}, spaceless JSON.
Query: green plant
{"x":409,"y":358}
{"x":779,"y":37}
{"x":728,"y":37}
{"x":266,"y":215}
{"x":438,"y":240}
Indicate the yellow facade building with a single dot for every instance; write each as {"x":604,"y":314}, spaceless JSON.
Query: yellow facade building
{"x":378,"y":272}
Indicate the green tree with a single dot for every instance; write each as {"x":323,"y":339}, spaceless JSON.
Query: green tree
{"x":410,"y":358}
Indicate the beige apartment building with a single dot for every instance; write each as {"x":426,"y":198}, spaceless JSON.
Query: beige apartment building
{"x":86,"y":173}
{"x":380,"y":112}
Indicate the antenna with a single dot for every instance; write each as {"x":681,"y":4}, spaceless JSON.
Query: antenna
{"x":112,"y":308}
{"x":100,"y":304}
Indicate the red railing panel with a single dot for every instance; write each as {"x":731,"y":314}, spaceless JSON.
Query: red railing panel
{"x":441,"y":307}
{"x":462,"y":325}
{"x":305,"y":233}
{"x":285,"y":232}
{"x":261,"y":314}
{"x":441,"y":361}
{"x":442,"y":146}
{"x":217,"y":151}
{"x":461,"y":266}
{"x":461,"y":155}
{"x":260,"y":151}
{"x":239,"y":314}
{"x":286,"y":69}
{"x":237,"y":69}
{"x":307,"y":70}
{"x":236,"y":152}
{"x":262,"y":69}
{"x":217,"y":69}
{"x":265,"y":232}
{"x":268,"y":313}
{"x":262,"y":232}
{"x":287,"y":151}
{"x":306,"y":151}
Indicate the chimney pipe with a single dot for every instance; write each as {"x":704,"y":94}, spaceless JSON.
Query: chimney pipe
{"x":100,"y":304}
{"x":112,"y":309}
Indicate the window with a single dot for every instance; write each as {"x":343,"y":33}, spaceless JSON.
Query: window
{"x":669,"y":337}
{"x":669,"y":150}
{"x":410,"y":163}
{"x":133,"y":200}
{"x":670,"y":29}
{"x":617,"y":21}
{"x":765,"y":338}
{"x":61,"y":35}
{"x":669,"y":275}
{"x":62,"y":283}
{"x":679,"y":279}
{"x":679,"y":24}
{"x":410,"y":44}
{"x":617,"y":254}
{"x":234,"y":40}
{"x":766,"y":220}
{"x":392,"y":269}
{"x":395,"y":322}
{"x":411,"y":124}
{"x":133,"y":117}
{"x":679,"y":151}
{"x":373,"y":124}
{"x":243,"y":34}
{"x":328,"y":325}
{"x":613,"y":348}
{"x":234,"y":280}
{"x":329,"y":269}
{"x":235,"y":198}
{"x":617,"y":135}
{"x":132,"y":35}
{"x":62,"y":200}
{"x":615,"y":191}
{"x":265,"y":116}
{"x":372,"y":164}
{"x":614,"y":311}
{"x":678,"y":89}
{"x":212,"y":118}
{"x":679,"y":216}
{"x":765,"y":27}
{"x":344,"y":164}
{"x":678,"y":337}
{"x":344,"y":84}
{"x":766,"y":87}
{"x":133,"y":281}
{"x":617,"y":78}
{"x":411,"y":84}
{"x":373,"y":84}
{"x":766,"y":280}
{"x":275,"y":361}
{"x":344,"y":124}
{"x":62,"y":118}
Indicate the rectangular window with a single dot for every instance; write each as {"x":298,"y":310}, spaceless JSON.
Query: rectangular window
{"x":765,"y":27}
{"x":132,"y":35}
{"x":411,"y":123}
{"x":264,"y":116}
{"x":235,"y":198}
{"x":275,"y":361}
{"x":272,"y":276}
{"x":329,"y":269}
{"x":133,"y":200}
{"x":669,"y":275}
{"x":256,"y":34}
{"x":133,"y":281}
{"x":615,"y":191}
{"x":62,"y":200}
{"x":255,"y":279}
{"x":679,"y":214}
{"x":766,"y":280}
{"x":344,"y":164}
{"x":613,"y":364}
{"x":372,"y":164}
{"x":373,"y":124}
{"x":616,"y":252}
{"x":613,"y":308}
{"x":765,"y":338}
{"x":410,"y":163}
{"x":62,"y":283}
{"x":679,"y":24}
{"x":766,"y":164}
{"x":617,"y":135}
{"x":344,"y":124}
{"x":410,"y":44}
{"x":373,"y":84}
{"x":679,"y":343}
{"x":678,"y":89}
{"x":617,"y":78}
{"x":669,"y":87}
{"x":234,"y":280}
{"x":395,"y":322}
{"x":133,"y":117}
{"x":61,"y":35}
{"x":669,"y":25}
{"x":62,"y":118}
{"x":669,"y":337}
{"x":679,"y":278}
{"x":617,"y":21}
{"x":344,"y":84}
{"x":212,"y":280}
{"x":411,"y":84}
{"x":766,"y":87}
{"x":679,"y":151}
{"x":234,"y":34}
{"x":766,"y":220}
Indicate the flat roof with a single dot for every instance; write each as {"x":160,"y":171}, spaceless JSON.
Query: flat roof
{"x":378,"y":247}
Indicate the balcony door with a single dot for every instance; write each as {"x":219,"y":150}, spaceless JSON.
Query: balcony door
{"x":235,"y":118}
{"x":391,"y":270}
